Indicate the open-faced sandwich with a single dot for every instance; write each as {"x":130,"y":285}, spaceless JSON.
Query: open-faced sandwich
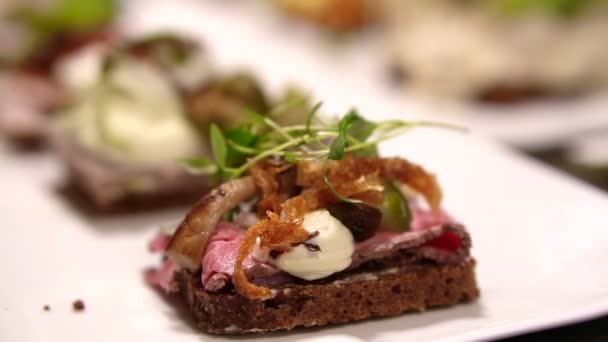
{"x":500,"y":50}
{"x":137,"y":108}
{"x":35,"y":36}
{"x":312,"y":227}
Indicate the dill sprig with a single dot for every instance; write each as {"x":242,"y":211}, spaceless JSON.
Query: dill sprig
{"x":236,"y":150}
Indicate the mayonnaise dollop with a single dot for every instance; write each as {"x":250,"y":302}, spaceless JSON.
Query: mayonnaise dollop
{"x":136,"y":116}
{"x":79,"y":70}
{"x":336,"y":245}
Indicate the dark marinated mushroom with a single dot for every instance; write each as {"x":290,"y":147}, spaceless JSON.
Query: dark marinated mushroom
{"x":188,"y":243}
{"x":362,"y":220}
{"x":224,"y":100}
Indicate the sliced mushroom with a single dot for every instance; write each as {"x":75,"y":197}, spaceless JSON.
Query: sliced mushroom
{"x":188,"y":244}
{"x":362,"y":220}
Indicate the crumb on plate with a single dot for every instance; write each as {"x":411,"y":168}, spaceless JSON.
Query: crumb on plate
{"x":78,"y":305}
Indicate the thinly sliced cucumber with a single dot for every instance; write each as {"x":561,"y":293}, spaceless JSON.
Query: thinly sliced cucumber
{"x":396,"y":213}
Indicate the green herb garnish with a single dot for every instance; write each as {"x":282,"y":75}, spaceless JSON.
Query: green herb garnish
{"x":236,"y":150}
{"x":45,"y":22}
{"x":565,"y":8}
{"x":164,"y":47}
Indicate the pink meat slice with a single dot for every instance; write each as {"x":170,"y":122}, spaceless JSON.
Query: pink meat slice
{"x":24,"y":101}
{"x":426,"y":226}
{"x":424,"y":219}
{"x":222,"y":249}
{"x":160,"y":242}
{"x":162,"y":277}
{"x":220,"y":256}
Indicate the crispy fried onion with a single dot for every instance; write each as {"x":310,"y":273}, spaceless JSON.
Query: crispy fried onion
{"x":343,"y":172}
{"x":271,"y":233}
{"x":264,"y":174}
{"x":187,"y":245}
{"x":366,"y":187}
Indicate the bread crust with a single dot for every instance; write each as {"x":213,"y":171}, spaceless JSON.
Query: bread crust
{"x":351,"y":297}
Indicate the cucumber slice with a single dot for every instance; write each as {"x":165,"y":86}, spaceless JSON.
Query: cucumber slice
{"x":396,"y":213}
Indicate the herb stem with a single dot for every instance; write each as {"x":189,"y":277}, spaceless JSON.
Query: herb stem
{"x":313,"y":128}
{"x":271,"y":152}
{"x":401,"y":127}
{"x":281,"y":131}
{"x":331,"y":187}
{"x":279,"y":150}
{"x":242,"y":149}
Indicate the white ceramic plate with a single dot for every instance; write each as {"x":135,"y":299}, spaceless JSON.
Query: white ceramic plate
{"x":539,"y":237}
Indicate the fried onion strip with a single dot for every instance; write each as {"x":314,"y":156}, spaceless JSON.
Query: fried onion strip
{"x":273,"y":234}
{"x":351,"y":168}
{"x":264,"y":174}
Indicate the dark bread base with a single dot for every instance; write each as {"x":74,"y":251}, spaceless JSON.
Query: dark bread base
{"x":355,"y":296}
{"x":82,"y":200}
{"x":25,"y":143}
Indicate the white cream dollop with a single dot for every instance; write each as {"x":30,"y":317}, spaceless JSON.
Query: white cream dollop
{"x":79,"y":70}
{"x":143,"y":122}
{"x":336,"y":245}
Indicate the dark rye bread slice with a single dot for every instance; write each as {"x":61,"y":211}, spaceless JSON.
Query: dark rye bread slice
{"x":351,"y":297}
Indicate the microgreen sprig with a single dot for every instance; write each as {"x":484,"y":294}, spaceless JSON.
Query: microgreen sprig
{"x":236,"y":150}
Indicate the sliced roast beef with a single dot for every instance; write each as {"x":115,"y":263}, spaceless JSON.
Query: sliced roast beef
{"x":220,"y":258}
{"x":386,"y":243}
{"x":24,"y":103}
{"x":433,"y":236}
{"x":162,"y":277}
{"x":108,"y":185}
{"x":159,"y":243}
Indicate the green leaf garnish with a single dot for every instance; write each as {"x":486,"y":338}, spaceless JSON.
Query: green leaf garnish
{"x":218,"y":145}
{"x":199,"y":166}
{"x":336,"y":151}
{"x":66,"y":15}
{"x":44,"y":22}
{"x":310,"y":117}
{"x":361,"y":129}
{"x":262,"y":137}
{"x":240,"y":142}
{"x":347,"y":120}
